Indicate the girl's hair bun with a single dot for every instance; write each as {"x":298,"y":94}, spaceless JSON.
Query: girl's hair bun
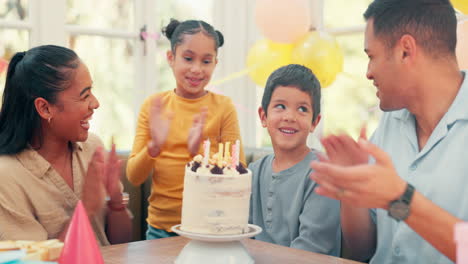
{"x":170,"y":28}
{"x":220,"y":38}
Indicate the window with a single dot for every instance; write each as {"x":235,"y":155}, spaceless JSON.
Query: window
{"x":125,"y":69}
{"x":106,"y":43}
{"x":106,"y":36}
{"x":14,"y":32}
{"x":13,"y":40}
{"x":14,"y":10}
{"x":110,"y":63}
{"x":102,"y":14}
{"x":350,"y":101}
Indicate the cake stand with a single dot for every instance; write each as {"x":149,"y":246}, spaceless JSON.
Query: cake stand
{"x":215,"y":249}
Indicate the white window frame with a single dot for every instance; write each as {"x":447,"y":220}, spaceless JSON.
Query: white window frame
{"x":47,"y":25}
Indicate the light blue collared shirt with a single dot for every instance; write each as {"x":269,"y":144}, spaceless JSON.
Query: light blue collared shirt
{"x":291,"y":214}
{"x":439,"y":171}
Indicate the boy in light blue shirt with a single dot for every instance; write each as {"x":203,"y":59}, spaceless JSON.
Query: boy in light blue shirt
{"x":283,"y":200}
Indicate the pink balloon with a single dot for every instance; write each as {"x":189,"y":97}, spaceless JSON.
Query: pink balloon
{"x":462,"y":45}
{"x":3,"y":65}
{"x":283,"y":21}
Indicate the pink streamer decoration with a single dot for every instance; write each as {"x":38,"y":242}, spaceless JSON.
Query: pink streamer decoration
{"x":239,"y":107}
{"x":146,"y":35}
{"x":3,"y":65}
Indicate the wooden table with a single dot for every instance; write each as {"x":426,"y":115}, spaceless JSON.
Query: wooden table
{"x":167,"y":249}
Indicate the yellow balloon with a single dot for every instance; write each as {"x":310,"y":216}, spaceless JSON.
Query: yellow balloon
{"x":461,"y":5}
{"x":321,"y":53}
{"x":264,"y":57}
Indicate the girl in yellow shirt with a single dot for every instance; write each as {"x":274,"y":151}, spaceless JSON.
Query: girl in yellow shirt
{"x":172,"y":124}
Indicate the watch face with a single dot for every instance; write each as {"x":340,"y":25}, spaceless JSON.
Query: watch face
{"x":399,"y":210}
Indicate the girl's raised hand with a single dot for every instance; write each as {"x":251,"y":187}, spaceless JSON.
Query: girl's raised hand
{"x":159,"y":123}
{"x":196,"y":131}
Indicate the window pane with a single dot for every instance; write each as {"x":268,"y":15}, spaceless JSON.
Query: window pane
{"x":350,"y":100}
{"x":184,"y":9}
{"x":12,"y":41}
{"x":13,"y":9}
{"x":119,"y":14}
{"x":110,"y":63}
{"x":340,"y":13}
{"x":180,"y":10}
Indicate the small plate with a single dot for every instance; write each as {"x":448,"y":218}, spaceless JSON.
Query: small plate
{"x":253,"y":230}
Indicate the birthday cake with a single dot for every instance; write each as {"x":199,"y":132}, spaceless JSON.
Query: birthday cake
{"x":34,"y":250}
{"x":216,"y":193}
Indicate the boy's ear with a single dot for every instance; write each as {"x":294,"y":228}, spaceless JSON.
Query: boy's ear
{"x":43,"y":108}
{"x":170,"y":57}
{"x":262,"y":115}
{"x":315,"y":123}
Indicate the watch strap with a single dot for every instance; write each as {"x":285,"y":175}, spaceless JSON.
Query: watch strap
{"x":399,"y":209}
{"x":408,"y":194}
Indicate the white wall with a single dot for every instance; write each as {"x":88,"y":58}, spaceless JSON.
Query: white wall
{"x":235,"y":19}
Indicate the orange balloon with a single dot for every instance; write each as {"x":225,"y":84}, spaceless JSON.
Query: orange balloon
{"x":283,"y":21}
{"x":462,"y":45}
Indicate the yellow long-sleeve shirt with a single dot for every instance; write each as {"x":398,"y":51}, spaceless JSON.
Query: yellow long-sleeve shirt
{"x":165,"y":201}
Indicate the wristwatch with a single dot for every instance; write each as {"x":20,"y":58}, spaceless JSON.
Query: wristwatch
{"x":399,"y":209}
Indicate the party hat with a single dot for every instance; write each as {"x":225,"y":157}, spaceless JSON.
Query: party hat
{"x":80,"y":243}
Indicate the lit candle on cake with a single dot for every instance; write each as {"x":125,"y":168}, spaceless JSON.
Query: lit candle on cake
{"x":227,"y":155}
{"x":233,"y":158}
{"x":206,"y":153}
{"x":220,"y":152}
{"x":237,"y":152}
{"x":220,"y":164}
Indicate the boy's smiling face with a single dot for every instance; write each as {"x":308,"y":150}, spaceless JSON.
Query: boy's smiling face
{"x":289,"y":118}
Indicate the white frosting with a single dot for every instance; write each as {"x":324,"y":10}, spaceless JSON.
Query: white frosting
{"x":204,"y":169}
{"x":216,"y":204}
{"x":230,"y":171}
{"x":198,"y":158}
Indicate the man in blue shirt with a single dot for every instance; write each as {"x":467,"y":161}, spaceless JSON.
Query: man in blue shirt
{"x":419,"y":169}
